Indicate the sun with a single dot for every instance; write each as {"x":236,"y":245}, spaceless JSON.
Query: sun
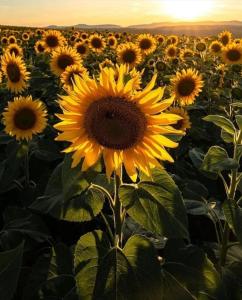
{"x":187,"y":9}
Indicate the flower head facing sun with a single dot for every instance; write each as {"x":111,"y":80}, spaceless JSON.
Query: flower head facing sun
{"x":186,"y":86}
{"x":97,"y":43}
{"x":146,"y":43}
{"x":108,"y":118}
{"x":24,"y":117}
{"x":232,"y":54}
{"x":16,"y":72}
{"x":62,"y":58}
{"x":52,"y":40}
{"x":129,"y":54}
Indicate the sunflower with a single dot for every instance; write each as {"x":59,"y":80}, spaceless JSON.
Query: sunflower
{"x":186,"y":86}
{"x":160,"y":39}
{"x":4,"y":40}
{"x":106,"y":63}
{"x":62,"y":58}
{"x":81,"y":48}
{"x":15,"y":70}
{"x":97,"y":43}
{"x":184,"y":123}
{"x":146,"y":43}
{"x":186,"y":54}
{"x":216,"y":47}
{"x":53,"y":39}
{"x":67,"y":77}
{"x":225,"y":37}
{"x":172,"y":39}
{"x":238,"y":41}
{"x":24,"y":117}
{"x":109,"y":118}
{"x":25,"y":36}
{"x":201,"y":46}
{"x":84,"y":35}
{"x":12,"y":39}
{"x":112,"y":42}
{"x":129,"y":54}
{"x":14,"y":49}
{"x":171,"y":51}
{"x":232,"y":54}
{"x":39,"y":47}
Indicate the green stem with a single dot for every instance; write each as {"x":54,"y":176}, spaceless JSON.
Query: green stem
{"x":117,"y":213}
{"x":231,"y":198}
{"x":108,"y":225}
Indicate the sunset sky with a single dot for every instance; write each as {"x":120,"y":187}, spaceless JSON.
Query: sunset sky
{"x":125,"y":12}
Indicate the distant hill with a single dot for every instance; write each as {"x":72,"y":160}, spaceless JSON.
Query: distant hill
{"x":203,"y":28}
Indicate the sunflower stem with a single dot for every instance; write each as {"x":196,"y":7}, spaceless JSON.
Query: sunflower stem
{"x":117,"y":212}
{"x":231,"y":199}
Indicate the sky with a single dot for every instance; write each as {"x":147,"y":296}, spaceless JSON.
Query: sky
{"x":124,"y":12}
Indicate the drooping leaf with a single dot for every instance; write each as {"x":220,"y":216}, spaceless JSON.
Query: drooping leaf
{"x":221,"y":122}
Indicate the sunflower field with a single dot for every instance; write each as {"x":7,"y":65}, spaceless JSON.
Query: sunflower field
{"x":120,"y":175}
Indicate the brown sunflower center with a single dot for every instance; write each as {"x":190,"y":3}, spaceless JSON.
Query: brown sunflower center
{"x":145,"y":44}
{"x":25,"y":118}
{"x":233,"y":55}
{"x":52,"y":41}
{"x":41,"y":48}
{"x":171,"y":52}
{"x":115,"y":123}
{"x":129,"y":56}
{"x":216,"y":48}
{"x":81,"y":49}
{"x":96,"y":43}
{"x":11,"y":40}
{"x":186,"y":86}
{"x":225,"y":40}
{"x":64,"y":61}
{"x":179,"y":125}
{"x":111,"y":42}
{"x":13,"y":72}
{"x":15,"y":51}
{"x":4,"y":40}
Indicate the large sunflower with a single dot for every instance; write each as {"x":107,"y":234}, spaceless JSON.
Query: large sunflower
{"x":24,"y":117}
{"x":216,"y":47}
{"x":67,"y":77}
{"x":62,"y":58}
{"x":225,"y":37}
{"x":232,"y":54}
{"x":186,"y":86}
{"x":15,"y":70}
{"x":81,"y":48}
{"x":53,"y":39}
{"x":109,"y":118}
{"x":97,"y":43}
{"x":184,"y":123}
{"x":129,"y":54}
{"x":39,"y":47}
{"x":146,"y":43}
{"x":14,"y":49}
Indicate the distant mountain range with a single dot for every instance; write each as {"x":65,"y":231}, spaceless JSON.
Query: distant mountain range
{"x":188,"y":28}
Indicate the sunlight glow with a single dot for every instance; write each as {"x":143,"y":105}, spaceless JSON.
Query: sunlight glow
{"x":187,"y":9}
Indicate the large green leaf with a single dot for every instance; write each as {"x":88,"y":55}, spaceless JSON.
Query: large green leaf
{"x":157,"y":206}
{"x":106,"y":273}
{"x":217,"y":160}
{"x":191,"y":268}
{"x":68,"y":196}
{"x":10,"y":266}
{"x":221,"y":122}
